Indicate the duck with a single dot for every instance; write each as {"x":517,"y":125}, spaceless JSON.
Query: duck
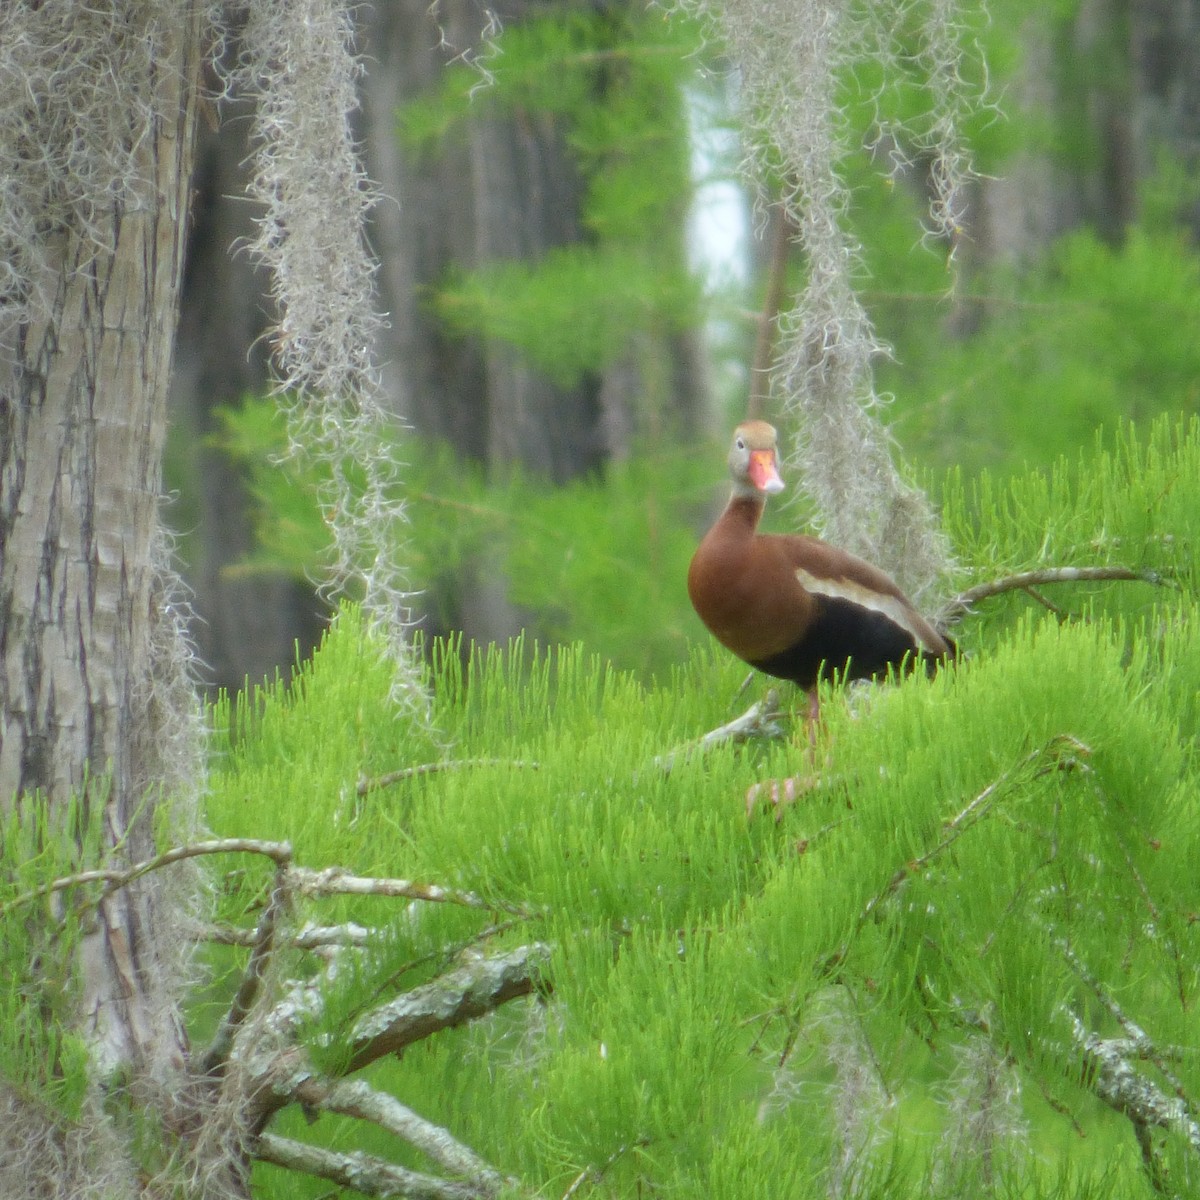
{"x":793,"y":606}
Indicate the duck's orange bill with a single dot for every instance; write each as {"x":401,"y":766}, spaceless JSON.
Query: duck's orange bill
{"x":763,"y":473}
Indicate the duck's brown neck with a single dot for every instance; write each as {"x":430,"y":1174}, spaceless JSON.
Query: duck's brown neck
{"x":743,"y":512}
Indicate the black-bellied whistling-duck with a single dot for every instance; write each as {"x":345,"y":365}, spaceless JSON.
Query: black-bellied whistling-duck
{"x":794,"y":606}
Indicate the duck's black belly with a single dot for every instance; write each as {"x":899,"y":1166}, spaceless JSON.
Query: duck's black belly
{"x":844,"y":640}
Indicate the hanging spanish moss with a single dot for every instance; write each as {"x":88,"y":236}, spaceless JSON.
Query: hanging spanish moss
{"x":300,"y":65}
{"x":792,"y":62}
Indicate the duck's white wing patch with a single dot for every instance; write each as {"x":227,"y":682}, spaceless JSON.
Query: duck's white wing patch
{"x":895,"y":610}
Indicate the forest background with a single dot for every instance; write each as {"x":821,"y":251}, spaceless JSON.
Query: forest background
{"x":527,"y":941}
{"x":560,"y":351}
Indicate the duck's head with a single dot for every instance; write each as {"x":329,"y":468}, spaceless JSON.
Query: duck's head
{"x":752,"y":460}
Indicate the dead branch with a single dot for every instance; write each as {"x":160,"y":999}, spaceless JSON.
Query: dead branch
{"x":1028,"y":580}
{"x":355,"y":1098}
{"x":450,"y":1000}
{"x":250,"y":985}
{"x":364,"y":1173}
{"x":311,"y":937}
{"x":115,"y":878}
{"x":334,"y":881}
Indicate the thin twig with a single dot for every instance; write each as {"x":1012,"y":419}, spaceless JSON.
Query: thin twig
{"x":1027,"y":580}
{"x":595,"y":1174}
{"x":374,"y":783}
{"x":114,"y":879}
{"x":1044,"y":601}
{"x":1064,"y":750}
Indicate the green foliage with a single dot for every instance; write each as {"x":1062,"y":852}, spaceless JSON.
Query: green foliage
{"x":290,"y":536}
{"x":1133,"y":505}
{"x":601,"y":559}
{"x":875,"y":996}
{"x":1095,"y":335}
{"x":1008,"y":367}
{"x":608,"y":83}
{"x":40,"y":931}
{"x":576,"y":309}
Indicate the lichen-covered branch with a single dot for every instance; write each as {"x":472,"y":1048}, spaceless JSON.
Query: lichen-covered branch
{"x":334,"y":881}
{"x":1136,"y":1039}
{"x":365,"y":1173}
{"x":1124,"y":1089}
{"x":355,"y":1098}
{"x":310,"y":937}
{"x":761,"y":720}
{"x":450,"y":1000}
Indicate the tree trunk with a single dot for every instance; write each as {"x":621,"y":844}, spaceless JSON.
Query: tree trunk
{"x":1166,"y":111}
{"x":508,"y":189}
{"x":89,"y":670}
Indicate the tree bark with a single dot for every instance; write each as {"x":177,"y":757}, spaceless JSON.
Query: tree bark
{"x":89,"y":674}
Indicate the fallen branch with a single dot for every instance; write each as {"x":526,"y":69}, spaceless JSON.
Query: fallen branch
{"x":364,"y":1173}
{"x":1028,"y":580}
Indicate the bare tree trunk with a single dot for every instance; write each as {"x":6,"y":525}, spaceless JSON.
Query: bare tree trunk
{"x":1166,"y":112}
{"x":88,"y":664}
{"x":508,"y":190}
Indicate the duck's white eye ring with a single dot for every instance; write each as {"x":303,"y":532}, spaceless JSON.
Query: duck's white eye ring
{"x":740,"y":444}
